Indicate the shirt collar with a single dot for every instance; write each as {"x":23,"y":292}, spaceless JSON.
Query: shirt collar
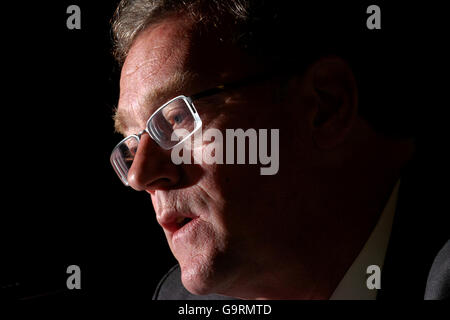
{"x":353,"y":285}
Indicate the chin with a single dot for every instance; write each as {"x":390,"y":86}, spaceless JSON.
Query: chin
{"x":204,"y":274}
{"x":198,"y":277}
{"x":205,"y":260}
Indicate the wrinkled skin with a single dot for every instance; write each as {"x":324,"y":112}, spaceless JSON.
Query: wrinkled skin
{"x":289,"y":235}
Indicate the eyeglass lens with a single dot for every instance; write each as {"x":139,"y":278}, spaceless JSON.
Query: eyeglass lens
{"x":168,"y":127}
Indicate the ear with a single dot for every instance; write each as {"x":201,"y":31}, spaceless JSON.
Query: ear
{"x":335,"y":101}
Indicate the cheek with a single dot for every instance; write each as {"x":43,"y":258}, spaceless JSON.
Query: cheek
{"x":219,"y":199}
{"x":234,"y":207}
{"x":253,"y":210}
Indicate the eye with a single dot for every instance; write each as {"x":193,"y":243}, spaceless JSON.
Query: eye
{"x":128,"y":151}
{"x":131,"y":152}
{"x":129,"y":155}
{"x":176,"y":117}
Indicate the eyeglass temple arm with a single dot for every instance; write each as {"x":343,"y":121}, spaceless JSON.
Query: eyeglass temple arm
{"x":234,"y":85}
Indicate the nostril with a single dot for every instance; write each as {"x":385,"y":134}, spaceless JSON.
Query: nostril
{"x":161,"y":183}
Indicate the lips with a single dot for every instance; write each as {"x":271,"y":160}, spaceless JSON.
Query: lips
{"x":172,"y":221}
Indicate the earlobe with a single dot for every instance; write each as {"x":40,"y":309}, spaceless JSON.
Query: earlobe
{"x":335,"y":93}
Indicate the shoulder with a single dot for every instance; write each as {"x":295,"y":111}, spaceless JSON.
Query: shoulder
{"x":170,"y":287}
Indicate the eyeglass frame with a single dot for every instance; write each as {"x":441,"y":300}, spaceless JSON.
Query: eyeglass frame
{"x":189,"y":101}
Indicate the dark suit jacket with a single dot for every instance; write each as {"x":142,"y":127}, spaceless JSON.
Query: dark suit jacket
{"x":437,"y":285}
{"x":417,"y":263}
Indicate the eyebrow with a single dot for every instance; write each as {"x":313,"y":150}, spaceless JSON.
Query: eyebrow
{"x":174,"y":84}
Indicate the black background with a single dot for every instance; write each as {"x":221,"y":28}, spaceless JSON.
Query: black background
{"x":63,"y":204}
{"x":61,"y":201}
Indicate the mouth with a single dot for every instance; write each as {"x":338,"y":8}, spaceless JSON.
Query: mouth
{"x":173,"y":221}
{"x":184,"y":222}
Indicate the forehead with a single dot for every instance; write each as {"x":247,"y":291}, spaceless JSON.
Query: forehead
{"x":154,"y":63}
{"x":158,"y":50}
{"x":170,"y":58}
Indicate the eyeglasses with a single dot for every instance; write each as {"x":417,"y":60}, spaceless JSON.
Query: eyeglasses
{"x":175,"y":115}
{"x":164,"y":125}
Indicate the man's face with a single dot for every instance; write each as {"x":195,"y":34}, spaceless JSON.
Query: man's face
{"x":239,"y":221}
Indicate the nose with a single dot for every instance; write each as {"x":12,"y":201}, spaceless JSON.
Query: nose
{"x":152,"y":168}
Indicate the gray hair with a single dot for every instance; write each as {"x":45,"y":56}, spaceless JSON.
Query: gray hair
{"x":262,"y":27}
{"x":133,"y":16}
{"x":286,"y":34}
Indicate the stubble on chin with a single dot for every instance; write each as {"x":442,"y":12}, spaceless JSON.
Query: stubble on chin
{"x":201,"y":261}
